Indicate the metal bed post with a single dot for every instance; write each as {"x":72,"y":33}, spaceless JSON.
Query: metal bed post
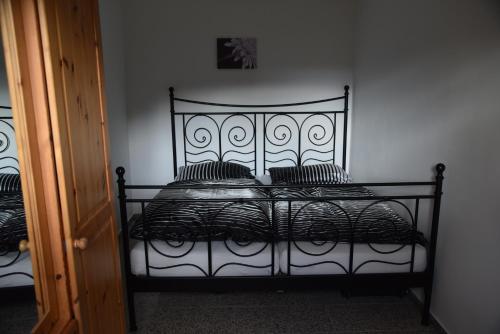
{"x":289,"y":238}
{"x":440,"y":168}
{"x":172,"y":126}
{"x":346,"y":109}
{"x":350,"y":276}
{"x":120,"y":171}
{"x":413,"y":234}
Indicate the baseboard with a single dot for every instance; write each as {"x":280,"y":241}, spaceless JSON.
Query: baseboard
{"x":433,"y":319}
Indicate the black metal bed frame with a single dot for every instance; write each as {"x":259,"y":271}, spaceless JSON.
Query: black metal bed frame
{"x":236,"y":142}
{"x":10,"y":163}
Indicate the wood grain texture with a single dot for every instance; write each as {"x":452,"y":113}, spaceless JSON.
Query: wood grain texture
{"x":72,"y":45}
{"x":26,"y":76}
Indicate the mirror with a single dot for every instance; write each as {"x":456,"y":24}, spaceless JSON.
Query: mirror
{"x":18,"y":312}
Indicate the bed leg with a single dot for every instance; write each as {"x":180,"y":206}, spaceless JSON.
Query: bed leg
{"x":426,"y":313}
{"x":131,"y":311}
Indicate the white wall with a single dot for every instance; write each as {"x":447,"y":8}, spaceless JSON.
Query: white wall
{"x":8,"y":145}
{"x":304,"y":52}
{"x":4,"y":86}
{"x":112,"y":30}
{"x":427,"y":76}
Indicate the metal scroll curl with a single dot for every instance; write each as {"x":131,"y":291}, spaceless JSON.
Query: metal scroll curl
{"x":317,"y":133}
{"x":220,"y":138}
{"x":199,"y":131}
{"x":8,"y":161}
{"x":320,"y":230}
{"x":387,"y":223}
{"x":254,"y":226}
{"x":9,"y":164}
{"x":320,"y":129}
{"x":278,"y":132}
{"x":299,"y":139}
{"x":324,"y":243}
{"x":281,"y":140}
{"x":245,"y":237}
{"x":240,"y":131}
{"x":177,"y":242}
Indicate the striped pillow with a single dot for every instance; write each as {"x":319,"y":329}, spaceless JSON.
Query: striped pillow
{"x":214,"y":170}
{"x":10,"y":182}
{"x":311,"y":174}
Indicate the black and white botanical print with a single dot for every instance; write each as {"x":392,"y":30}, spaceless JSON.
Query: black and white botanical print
{"x":237,"y":53}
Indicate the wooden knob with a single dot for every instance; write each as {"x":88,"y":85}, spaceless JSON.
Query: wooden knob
{"x":81,"y":243}
{"x":24,"y":246}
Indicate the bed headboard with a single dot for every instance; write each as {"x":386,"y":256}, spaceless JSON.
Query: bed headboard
{"x":8,"y":149}
{"x":258,"y":135}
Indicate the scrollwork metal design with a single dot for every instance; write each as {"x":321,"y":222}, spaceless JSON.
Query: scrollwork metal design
{"x":389,"y":224}
{"x":201,"y":137}
{"x":317,"y":132}
{"x":8,"y":160}
{"x":251,"y":233}
{"x":289,"y":138}
{"x":220,"y":138}
{"x":328,"y":236}
{"x":9,"y":163}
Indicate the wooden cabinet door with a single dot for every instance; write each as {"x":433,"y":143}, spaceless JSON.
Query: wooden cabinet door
{"x":71,"y":42}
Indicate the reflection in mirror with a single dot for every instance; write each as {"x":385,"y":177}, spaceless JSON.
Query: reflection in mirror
{"x":17,"y":297}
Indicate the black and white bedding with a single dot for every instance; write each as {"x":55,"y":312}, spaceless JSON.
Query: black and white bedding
{"x":12,"y":221}
{"x":182,"y":212}
{"x":15,"y":267}
{"x":198,"y":221}
{"x":246,"y":221}
{"x":332,"y":220}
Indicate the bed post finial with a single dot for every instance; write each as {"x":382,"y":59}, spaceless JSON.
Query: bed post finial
{"x":172,"y":98}
{"x":440,"y":168}
{"x":346,"y":98}
{"x":120,"y":171}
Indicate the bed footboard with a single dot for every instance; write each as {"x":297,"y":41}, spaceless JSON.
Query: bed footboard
{"x":336,"y":256}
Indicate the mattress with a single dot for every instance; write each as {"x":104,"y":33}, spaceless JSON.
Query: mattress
{"x":330,"y":258}
{"x":330,"y":261}
{"x":17,"y":273}
{"x":190,"y":259}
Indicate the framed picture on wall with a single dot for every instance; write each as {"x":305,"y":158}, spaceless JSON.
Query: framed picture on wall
{"x":236,"y":53}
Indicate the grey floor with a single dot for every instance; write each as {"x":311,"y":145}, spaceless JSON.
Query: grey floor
{"x":290,"y":312}
{"x":256,"y":312}
{"x":17,"y":316}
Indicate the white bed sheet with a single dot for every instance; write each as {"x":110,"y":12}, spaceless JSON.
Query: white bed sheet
{"x":221,"y":255}
{"x":199,"y":256}
{"x":23,"y":264}
{"x":340,"y":254}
